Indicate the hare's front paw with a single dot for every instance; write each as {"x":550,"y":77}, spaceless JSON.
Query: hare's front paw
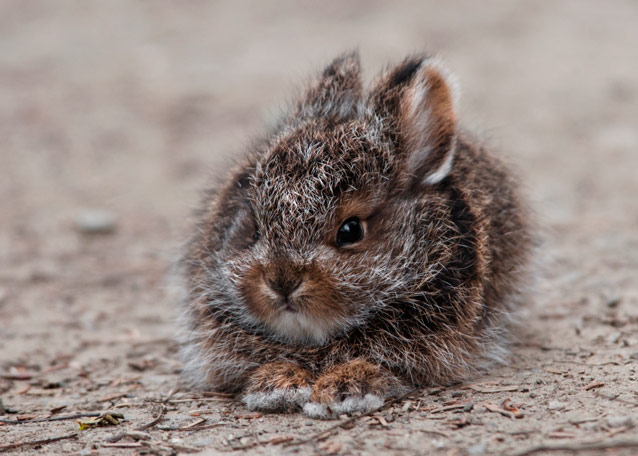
{"x":278,"y":386}
{"x":356,"y":386}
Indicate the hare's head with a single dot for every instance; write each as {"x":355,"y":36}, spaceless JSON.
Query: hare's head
{"x":338,"y":213}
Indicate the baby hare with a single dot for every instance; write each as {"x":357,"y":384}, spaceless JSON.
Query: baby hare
{"x":366,"y":246}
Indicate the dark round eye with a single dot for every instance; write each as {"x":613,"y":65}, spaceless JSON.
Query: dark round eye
{"x":350,"y":232}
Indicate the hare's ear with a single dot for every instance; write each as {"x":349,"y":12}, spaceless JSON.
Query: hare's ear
{"x":419,"y":100}
{"x":334,"y":94}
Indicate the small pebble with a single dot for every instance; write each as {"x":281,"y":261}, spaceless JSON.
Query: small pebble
{"x":620,"y":421}
{"x":468,"y":407}
{"x":203,"y":442}
{"x":308,"y":423}
{"x":590,"y":426}
{"x":476,"y":450}
{"x":95,"y":222}
{"x":556,"y":405}
{"x":614,"y":338}
{"x":612,"y":303}
{"x":138,"y":435}
{"x":634,"y":355}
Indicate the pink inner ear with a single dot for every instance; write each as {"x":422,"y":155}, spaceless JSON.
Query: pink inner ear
{"x":428,"y":121}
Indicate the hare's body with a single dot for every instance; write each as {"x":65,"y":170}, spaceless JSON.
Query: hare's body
{"x":367,"y":246}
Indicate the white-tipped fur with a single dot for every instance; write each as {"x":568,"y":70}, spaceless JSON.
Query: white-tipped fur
{"x":392,"y":300}
{"x":277,"y":399}
{"x":348,"y":406}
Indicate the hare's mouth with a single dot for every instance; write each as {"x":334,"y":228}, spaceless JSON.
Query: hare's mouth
{"x":298,"y":327}
{"x":295,"y":319}
{"x":292,"y":306}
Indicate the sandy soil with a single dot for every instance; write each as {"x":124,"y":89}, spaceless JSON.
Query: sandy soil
{"x":128,"y":107}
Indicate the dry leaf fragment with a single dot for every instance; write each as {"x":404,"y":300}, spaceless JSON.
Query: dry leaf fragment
{"x":551,"y":370}
{"x":501,"y":409}
{"x":381,"y":420}
{"x":143,"y":364}
{"x":107,"y":419}
{"x":459,"y":423}
{"x":330,"y":447}
{"x":112,"y":397}
{"x":279,"y":439}
{"x":508,"y":406}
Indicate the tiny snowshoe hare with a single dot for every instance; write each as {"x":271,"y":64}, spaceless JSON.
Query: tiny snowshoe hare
{"x":366,"y":246}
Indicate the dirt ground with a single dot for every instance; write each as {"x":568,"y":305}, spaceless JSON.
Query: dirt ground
{"x":129,"y":107}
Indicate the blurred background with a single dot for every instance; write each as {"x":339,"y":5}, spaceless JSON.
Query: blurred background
{"x":114,"y":114}
{"x":124,"y":105}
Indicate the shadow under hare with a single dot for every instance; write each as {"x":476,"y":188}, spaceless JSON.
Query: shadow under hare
{"x":364,"y":247}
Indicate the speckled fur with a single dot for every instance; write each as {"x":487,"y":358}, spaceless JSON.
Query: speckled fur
{"x":422,"y":299}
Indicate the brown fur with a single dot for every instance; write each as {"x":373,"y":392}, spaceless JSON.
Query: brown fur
{"x":278,"y":375}
{"x":422,"y":299}
{"x":354,"y":378}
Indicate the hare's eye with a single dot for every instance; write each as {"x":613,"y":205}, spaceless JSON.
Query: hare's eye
{"x":350,"y":232}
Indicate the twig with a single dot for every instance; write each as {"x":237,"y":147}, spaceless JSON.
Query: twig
{"x":585,"y":420}
{"x":157,"y":419}
{"x":612,"y":398}
{"x":447,"y":408}
{"x":503,"y":389}
{"x":200,"y":427}
{"x":326,"y":432}
{"x":121,"y":445}
{"x":171,"y":393}
{"x":523,"y":432}
{"x":196,"y":423}
{"x":593,"y":385}
{"x":277,"y":440}
{"x":54,"y":418}
{"x":606,"y":363}
{"x":112,"y":397}
{"x":576,"y":447}
{"x":174,"y":446}
{"x":160,"y":416}
{"x":197,"y":399}
{"x":14,"y":445}
{"x":433,"y":432}
{"x":217,"y":394}
{"x":496,"y":409}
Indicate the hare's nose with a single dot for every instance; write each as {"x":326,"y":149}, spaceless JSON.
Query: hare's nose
{"x":284,"y":285}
